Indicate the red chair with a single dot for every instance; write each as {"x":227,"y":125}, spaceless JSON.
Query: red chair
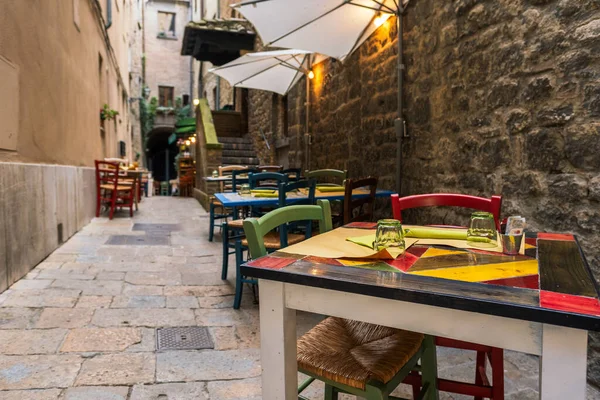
{"x":482,"y":387}
{"x":109,"y":189}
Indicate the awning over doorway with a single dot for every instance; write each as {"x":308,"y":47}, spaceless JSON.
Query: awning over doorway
{"x":217,"y":41}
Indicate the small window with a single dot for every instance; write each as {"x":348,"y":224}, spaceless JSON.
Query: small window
{"x":186,"y":99}
{"x":165,"y":96}
{"x":166,"y":24}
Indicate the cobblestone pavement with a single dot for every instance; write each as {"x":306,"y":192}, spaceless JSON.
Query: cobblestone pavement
{"x":82,"y":325}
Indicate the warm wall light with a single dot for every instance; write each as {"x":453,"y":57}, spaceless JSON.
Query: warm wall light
{"x":380,"y":19}
{"x":311,"y":74}
{"x":187,"y":142}
{"x":196,"y":102}
{"x":193,"y":139}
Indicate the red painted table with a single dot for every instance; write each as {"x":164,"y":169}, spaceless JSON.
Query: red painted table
{"x":543,"y":303}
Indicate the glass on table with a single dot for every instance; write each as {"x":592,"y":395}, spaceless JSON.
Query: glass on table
{"x":482,"y":230}
{"x":215,"y":174}
{"x":245,"y":190}
{"x":389,"y":234}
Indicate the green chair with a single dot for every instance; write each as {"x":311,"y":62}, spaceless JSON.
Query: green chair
{"x":164,"y":188}
{"x":327,"y":177}
{"x":352,"y":357}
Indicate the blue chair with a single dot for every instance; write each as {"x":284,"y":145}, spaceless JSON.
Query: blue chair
{"x":294,"y":174}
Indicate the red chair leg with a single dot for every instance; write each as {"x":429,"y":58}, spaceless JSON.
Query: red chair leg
{"x":497,"y":363}
{"x":98,"y":202}
{"x":113,"y":204}
{"x":480,"y":370}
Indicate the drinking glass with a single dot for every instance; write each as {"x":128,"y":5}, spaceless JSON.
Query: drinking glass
{"x":482,"y":230}
{"x":389,"y":234}
{"x":245,"y":189}
{"x":215,"y":174}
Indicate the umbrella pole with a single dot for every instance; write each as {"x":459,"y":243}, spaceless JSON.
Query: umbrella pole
{"x":399,"y":123}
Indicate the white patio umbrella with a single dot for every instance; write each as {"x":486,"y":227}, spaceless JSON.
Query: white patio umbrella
{"x":275,"y":71}
{"x":332,"y":27}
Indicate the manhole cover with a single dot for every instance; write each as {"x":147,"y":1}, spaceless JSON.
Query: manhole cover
{"x":156,"y":227}
{"x":183,"y":338}
{"x":138,"y":240}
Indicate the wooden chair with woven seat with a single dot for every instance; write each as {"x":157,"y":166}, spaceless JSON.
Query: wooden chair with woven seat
{"x":269,"y":168}
{"x":327,"y":177}
{"x":293,"y":174}
{"x":352,"y":357}
{"x":110,"y":190}
{"x":273,"y":241}
{"x":359,"y":209}
{"x":216,"y":204}
{"x":482,"y":387}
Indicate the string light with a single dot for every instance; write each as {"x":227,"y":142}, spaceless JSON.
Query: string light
{"x":311,"y":75}
{"x":187,"y":142}
{"x":193,"y":139}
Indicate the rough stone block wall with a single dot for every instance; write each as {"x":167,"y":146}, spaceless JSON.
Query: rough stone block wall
{"x":260,"y":117}
{"x":502,"y":97}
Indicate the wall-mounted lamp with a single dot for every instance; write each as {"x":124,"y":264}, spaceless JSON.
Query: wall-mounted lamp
{"x":193,"y":139}
{"x":380,"y":19}
{"x":187,"y":142}
{"x":311,"y":75}
{"x":196,"y":102}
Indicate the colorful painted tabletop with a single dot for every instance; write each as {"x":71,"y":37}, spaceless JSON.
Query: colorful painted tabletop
{"x":235,"y":200}
{"x":550,"y":283}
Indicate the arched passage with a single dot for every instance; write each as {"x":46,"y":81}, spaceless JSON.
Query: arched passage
{"x":161,"y":154}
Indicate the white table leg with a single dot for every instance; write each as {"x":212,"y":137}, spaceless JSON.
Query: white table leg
{"x":278,"y":343}
{"x":563,"y":363}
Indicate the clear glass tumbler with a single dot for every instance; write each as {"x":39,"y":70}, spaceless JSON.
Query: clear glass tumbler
{"x":482,"y":230}
{"x":245,"y":189}
{"x":389,"y":234}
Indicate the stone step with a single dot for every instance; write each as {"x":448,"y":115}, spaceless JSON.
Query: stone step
{"x":238,"y":146}
{"x":239,"y":161}
{"x":239,"y":153}
{"x":235,"y":140}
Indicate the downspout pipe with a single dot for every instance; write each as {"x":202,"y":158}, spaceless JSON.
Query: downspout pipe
{"x":108,"y":14}
{"x":400,"y":122}
{"x":218,"y":88}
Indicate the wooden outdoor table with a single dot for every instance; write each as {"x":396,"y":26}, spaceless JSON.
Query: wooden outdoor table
{"x":227,"y":178}
{"x":138,"y":174}
{"x":543,"y":302}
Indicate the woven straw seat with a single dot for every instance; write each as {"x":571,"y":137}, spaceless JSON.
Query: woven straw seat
{"x":119,"y":187}
{"x":353,"y":353}
{"x":236,"y":224}
{"x":216,"y":202}
{"x":272,"y":241}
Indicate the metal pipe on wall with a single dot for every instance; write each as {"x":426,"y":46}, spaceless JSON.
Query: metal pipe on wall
{"x":108,"y":14}
{"x":307,"y":136}
{"x":400,"y":123}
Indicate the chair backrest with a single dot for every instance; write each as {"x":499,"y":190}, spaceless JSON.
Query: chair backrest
{"x":107,"y":173}
{"x":285,"y":188}
{"x":329,"y":175}
{"x":226,"y":171}
{"x":256,"y":229}
{"x":292,"y":173}
{"x":491,"y":205}
{"x":266,"y":179}
{"x":359,"y":209}
{"x":270,"y":168}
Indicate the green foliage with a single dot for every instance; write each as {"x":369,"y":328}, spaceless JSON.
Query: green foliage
{"x":107,"y":113}
{"x":147,"y":115}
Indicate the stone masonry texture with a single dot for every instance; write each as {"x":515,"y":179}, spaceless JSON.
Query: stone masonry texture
{"x":501,"y":97}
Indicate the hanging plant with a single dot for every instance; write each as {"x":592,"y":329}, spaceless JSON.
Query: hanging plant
{"x":107,"y":113}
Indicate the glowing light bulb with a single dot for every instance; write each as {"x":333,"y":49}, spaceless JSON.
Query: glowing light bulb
{"x":187,"y":142}
{"x":311,"y":75}
{"x":380,"y":19}
{"x":196,"y":102}
{"x":193,"y":139}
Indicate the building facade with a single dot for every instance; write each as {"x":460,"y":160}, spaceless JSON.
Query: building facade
{"x":61,"y":64}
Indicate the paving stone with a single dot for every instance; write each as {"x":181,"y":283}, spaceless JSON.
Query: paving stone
{"x":192,"y":252}
{"x":49,"y":265}
{"x":152,"y":317}
{"x":61,"y":274}
{"x":117,"y":369}
{"x":101,"y":288}
{"x":94,"y":302}
{"x":148,"y":343}
{"x":138,"y":302}
{"x":38,"y":372}
{"x":203,"y":279}
{"x":31,"y":284}
{"x":142,"y":290}
{"x":60,"y":258}
{"x":199,"y":291}
{"x":182,"y":302}
{"x":176,"y":391}
{"x":19,"y":318}
{"x":128,"y":266}
{"x":217,"y":301}
{"x":101,"y":339}
{"x":171,"y":259}
{"x":97,"y":393}
{"x":177,"y":366}
{"x":221,"y":317}
{"x":153,"y":278}
{"x":48,"y":394}
{"x":243,"y":389}
{"x":48,"y":297}
{"x":65,"y":317}
{"x":110,"y":276}
{"x":38,"y":341}
{"x":76,"y":267}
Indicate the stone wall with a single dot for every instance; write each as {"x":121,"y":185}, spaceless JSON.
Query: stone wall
{"x":502,"y":97}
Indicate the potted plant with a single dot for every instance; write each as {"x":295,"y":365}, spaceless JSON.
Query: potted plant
{"x":107,"y":113}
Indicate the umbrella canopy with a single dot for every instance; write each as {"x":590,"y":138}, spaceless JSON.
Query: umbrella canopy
{"x":275,"y":71}
{"x":332,"y":27}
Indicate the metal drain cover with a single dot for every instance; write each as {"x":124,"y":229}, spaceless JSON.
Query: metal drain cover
{"x":156,"y":227}
{"x":183,"y":338}
{"x":138,"y":240}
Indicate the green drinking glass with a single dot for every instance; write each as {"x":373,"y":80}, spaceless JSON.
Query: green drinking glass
{"x":389,"y":234}
{"x":482,"y":230}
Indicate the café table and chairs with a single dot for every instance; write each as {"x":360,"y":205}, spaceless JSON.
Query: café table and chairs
{"x":111,"y":190}
{"x":216,"y":209}
{"x":444,"y":282}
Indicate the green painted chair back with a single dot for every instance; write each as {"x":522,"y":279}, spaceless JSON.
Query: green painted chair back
{"x":256,"y":229}
{"x":329,"y":175}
